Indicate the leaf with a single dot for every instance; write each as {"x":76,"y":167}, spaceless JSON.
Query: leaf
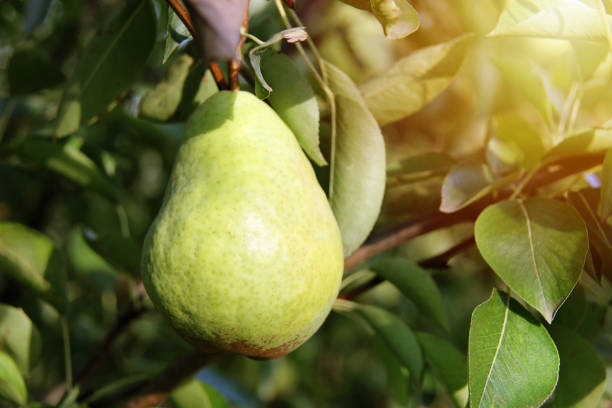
{"x":397,"y":17}
{"x":217,"y":25}
{"x":177,"y":35}
{"x":567,"y":19}
{"x":605,"y":203}
{"x":67,"y":160}
{"x":123,"y":385}
{"x":587,"y":141}
{"x":397,"y":375}
{"x":121,"y":252}
{"x":582,"y":379}
{"x":521,"y":75}
{"x":537,"y":247}
{"x":448,"y":365}
{"x":512,"y":360}
{"x":415,"y":283}
{"x":12,"y":387}
{"x":31,"y":70}
{"x":396,"y":335}
{"x":111,"y":62}
{"x":294,"y":101}
{"x":419,"y":167}
{"x":414,"y":80}
{"x":359,"y":165}
{"x":196,"y":394}
{"x":35,"y":14}
{"x":161,"y":102}
{"x":573,"y":310}
{"x":29,"y":257}
{"x":19,"y":338}
{"x":511,"y":128}
{"x":465,"y":183}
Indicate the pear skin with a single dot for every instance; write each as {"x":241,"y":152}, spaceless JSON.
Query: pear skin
{"x":245,"y":255}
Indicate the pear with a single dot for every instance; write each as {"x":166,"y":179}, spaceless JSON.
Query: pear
{"x":245,"y":255}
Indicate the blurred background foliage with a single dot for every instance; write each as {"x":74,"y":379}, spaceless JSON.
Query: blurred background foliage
{"x":98,"y":226}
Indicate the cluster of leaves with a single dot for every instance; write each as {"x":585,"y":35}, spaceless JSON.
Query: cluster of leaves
{"x":471,"y":133}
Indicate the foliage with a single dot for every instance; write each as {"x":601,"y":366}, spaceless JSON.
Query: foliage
{"x":467,"y":157}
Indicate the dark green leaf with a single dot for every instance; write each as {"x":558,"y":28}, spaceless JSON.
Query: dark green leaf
{"x":397,"y":375}
{"x":29,"y":257}
{"x":294,"y":101}
{"x":110,"y":64}
{"x":513,"y":361}
{"x":13,"y":390}
{"x":396,"y":335}
{"x":605,"y":203}
{"x":36,"y":12}
{"x":123,"y":385}
{"x":538,"y":247}
{"x":551,"y":19}
{"x":19,"y":337}
{"x":573,"y":310}
{"x":415,"y":283}
{"x":196,"y":394}
{"x":358,"y":169}
{"x":448,"y":364}
{"x":121,"y":252}
{"x":414,"y":80}
{"x":176,"y":34}
{"x":582,"y":379}
{"x":31,"y":70}
{"x":67,"y":160}
{"x":161,"y":102}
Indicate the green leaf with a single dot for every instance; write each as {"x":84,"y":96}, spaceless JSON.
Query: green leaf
{"x":537,"y":247}
{"x":19,"y":338}
{"x":414,"y":80}
{"x":521,"y":75}
{"x":573,"y":310}
{"x":66,"y":159}
{"x":420,"y":167}
{"x":111,"y":62}
{"x":13,"y":390}
{"x":161,"y":102}
{"x":396,"y":335}
{"x":448,"y":364}
{"x":415,"y":283}
{"x":513,"y":361}
{"x":511,"y":128}
{"x":465,"y":183}
{"x":29,"y":257}
{"x":582,"y":379}
{"x":567,"y":19}
{"x":176,"y":34}
{"x":605,"y":203}
{"x":121,"y":252}
{"x":397,"y":375}
{"x":358,"y":169}
{"x":294,"y":101}
{"x":587,"y":141}
{"x":397,"y":17}
{"x":196,"y":394}
{"x":35,"y":14}
{"x":117,"y":387}
{"x":31,"y":70}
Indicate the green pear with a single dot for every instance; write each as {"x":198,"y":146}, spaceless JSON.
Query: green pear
{"x":245,"y":255}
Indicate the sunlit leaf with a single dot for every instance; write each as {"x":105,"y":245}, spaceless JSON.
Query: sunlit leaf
{"x":582,"y":379}
{"x":294,"y":101}
{"x":111,"y":62}
{"x":568,"y":19}
{"x":397,"y":17}
{"x":513,"y":361}
{"x":415,"y":283}
{"x":465,"y":183}
{"x":511,"y":128}
{"x":414,"y":80}
{"x":605,"y":203}
{"x":13,"y":390}
{"x":587,"y":141}
{"x":420,"y":167}
{"x":19,"y":337}
{"x":67,"y":160}
{"x":359,"y":167}
{"x":396,"y":335}
{"x":537,"y":247}
{"x":163,"y":100}
{"x":31,"y":70}
{"x":196,"y":394}
{"x":448,"y":364}
{"x":29,"y":257}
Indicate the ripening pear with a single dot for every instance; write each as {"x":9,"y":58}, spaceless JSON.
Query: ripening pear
{"x":245,"y":255}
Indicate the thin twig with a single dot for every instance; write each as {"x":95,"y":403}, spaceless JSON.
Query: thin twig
{"x":234,"y":68}
{"x":176,"y":373}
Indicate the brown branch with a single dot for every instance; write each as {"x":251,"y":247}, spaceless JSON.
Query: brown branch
{"x":234,"y":68}
{"x":183,"y":14}
{"x":176,"y":373}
